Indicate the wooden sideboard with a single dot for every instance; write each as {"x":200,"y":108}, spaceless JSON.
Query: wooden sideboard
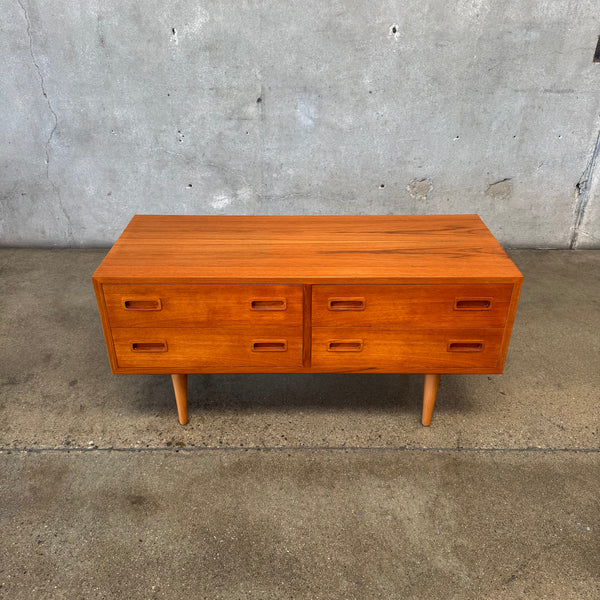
{"x":307,"y":294}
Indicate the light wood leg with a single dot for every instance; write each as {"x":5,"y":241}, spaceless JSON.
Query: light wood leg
{"x":180,"y":387}
{"x":431,"y":386}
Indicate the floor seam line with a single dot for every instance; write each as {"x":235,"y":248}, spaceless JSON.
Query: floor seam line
{"x":189,"y":449}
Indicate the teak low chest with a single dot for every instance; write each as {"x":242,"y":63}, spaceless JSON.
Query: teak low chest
{"x":307,"y":294}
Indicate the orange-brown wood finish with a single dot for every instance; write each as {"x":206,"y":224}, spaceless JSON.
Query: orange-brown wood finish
{"x":410,"y":305}
{"x":311,"y":294}
{"x":181,"y":305}
{"x":432,"y":381}
{"x":196,"y":348}
{"x":307,"y":249}
{"x":180,"y":388}
{"x":407,"y":350}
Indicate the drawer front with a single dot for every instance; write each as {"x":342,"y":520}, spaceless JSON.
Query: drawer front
{"x":484,"y":305}
{"x":195,"y":348}
{"x":198,"y":305}
{"x":362,"y":348}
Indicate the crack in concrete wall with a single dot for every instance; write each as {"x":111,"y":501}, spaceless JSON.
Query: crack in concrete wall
{"x":582,"y":194}
{"x":99,"y":25}
{"x":48,"y":143}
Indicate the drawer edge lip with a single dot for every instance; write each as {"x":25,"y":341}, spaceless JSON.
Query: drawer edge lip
{"x":192,"y":281}
{"x":409,"y":328}
{"x":307,"y":370}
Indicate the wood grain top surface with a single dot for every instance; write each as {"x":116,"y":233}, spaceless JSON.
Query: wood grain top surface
{"x":306,"y":249}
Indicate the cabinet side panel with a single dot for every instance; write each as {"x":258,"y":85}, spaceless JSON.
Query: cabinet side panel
{"x":512,"y":311}
{"x":105,"y":326}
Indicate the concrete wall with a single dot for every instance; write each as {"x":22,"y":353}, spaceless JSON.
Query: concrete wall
{"x":111,"y":108}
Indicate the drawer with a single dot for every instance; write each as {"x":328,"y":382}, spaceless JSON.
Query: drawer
{"x":425,"y":349}
{"x":195,"y":348}
{"x":198,"y":305}
{"x":484,"y":305}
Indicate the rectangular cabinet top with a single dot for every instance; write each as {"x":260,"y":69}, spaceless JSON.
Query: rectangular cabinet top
{"x":306,"y":249}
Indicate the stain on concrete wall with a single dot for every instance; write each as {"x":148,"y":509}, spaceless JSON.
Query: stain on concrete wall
{"x":499,"y":190}
{"x":113,"y":108}
{"x":419,"y":188}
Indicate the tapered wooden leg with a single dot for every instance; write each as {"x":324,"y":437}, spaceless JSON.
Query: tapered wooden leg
{"x":431,"y":386}
{"x":180,"y":387}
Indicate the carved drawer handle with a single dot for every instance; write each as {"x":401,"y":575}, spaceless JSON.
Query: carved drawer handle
{"x":346,"y":304}
{"x":473,"y":304}
{"x":149,"y":346}
{"x":142,"y":304}
{"x":269,"y":346}
{"x":345,"y":346}
{"x":268,"y":304}
{"x":471,"y":346}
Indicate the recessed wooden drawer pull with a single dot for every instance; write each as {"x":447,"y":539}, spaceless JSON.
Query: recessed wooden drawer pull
{"x":149,"y":346}
{"x":269,"y":346}
{"x":465,"y":346}
{"x":142,"y":304}
{"x":346,"y":304}
{"x":473,"y":304}
{"x":345,"y":346}
{"x":268,"y":304}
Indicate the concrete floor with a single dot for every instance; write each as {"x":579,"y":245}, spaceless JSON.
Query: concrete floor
{"x":297,"y":486}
